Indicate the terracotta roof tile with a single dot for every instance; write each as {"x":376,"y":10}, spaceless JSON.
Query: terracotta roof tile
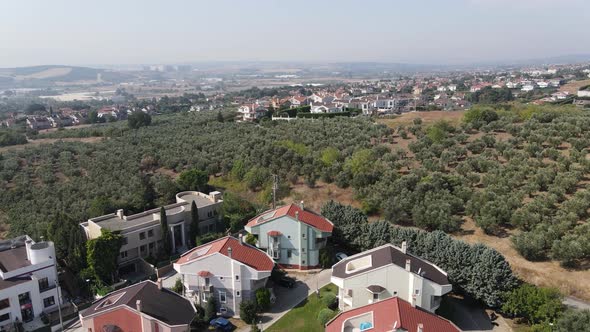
{"x":306,"y":216}
{"x":394,"y":312}
{"x":242,"y":252}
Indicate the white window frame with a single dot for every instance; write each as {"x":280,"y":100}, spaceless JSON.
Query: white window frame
{"x":224,"y":294}
{"x":204,"y":296}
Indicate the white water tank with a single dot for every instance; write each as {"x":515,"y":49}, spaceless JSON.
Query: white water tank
{"x":41,"y":252}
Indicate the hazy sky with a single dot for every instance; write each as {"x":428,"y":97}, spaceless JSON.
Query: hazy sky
{"x":78,"y":32}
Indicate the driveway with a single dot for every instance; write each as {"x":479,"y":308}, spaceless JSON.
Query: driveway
{"x":471,"y":316}
{"x":289,"y":298}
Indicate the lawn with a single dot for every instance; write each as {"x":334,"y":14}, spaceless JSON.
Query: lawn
{"x":304,"y":317}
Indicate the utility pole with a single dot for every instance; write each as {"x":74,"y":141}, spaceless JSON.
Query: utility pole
{"x":275,"y":187}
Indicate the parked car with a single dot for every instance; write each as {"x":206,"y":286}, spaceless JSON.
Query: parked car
{"x":286,"y":282}
{"x":340,"y":256}
{"x":221,"y":324}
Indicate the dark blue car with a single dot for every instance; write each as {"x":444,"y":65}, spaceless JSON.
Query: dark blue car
{"x":221,"y":324}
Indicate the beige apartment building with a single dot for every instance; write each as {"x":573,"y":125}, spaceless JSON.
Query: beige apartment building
{"x":142,"y":235}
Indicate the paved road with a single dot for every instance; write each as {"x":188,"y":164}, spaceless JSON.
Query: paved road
{"x":576,"y":303}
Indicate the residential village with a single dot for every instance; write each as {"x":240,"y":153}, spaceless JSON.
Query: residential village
{"x":377,"y":289}
{"x":278,"y":252}
{"x":445,"y":91}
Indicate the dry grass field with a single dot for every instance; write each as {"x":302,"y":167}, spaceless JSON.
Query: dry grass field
{"x":50,"y":141}
{"x":572,"y":87}
{"x":453,"y":117}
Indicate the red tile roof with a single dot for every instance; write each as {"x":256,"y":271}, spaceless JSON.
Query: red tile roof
{"x":394,"y":312}
{"x":241,"y":252}
{"x":274,"y":233}
{"x":308,"y":217}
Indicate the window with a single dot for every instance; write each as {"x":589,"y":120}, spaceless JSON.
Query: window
{"x":125,"y":241}
{"x":151,"y":246}
{"x":142,"y":236}
{"x":43,"y":284}
{"x":4,"y":317}
{"x":303,"y":250}
{"x":304,"y":235}
{"x":222,"y":298}
{"x":123,"y":254}
{"x":151,"y":233}
{"x":211,"y":228}
{"x":24,"y":298}
{"x":49,"y":301}
{"x":143,"y":248}
{"x":303,"y":262}
{"x":204,"y":296}
{"x":220,"y":278}
{"x":417,"y":292}
{"x":288,"y":236}
{"x":206,"y":281}
{"x":237,"y":278}
{"x":238,"y":293}
{"x":375,"y":297}
{"x":288,"y":253}
{"x":4,"y":303}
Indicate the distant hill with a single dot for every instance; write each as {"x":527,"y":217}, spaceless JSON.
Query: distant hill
{"x":39,"y":76}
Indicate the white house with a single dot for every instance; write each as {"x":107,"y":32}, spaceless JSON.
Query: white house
{"x":252,"y":112}
{"x":584,"y":92}
{"x":28,"y":280}
{"x":142,"y":232}
{"x":291,"y":235}
{"x":228,"y":269}
{"x":387,"y":271}
{"x":527,"y":87}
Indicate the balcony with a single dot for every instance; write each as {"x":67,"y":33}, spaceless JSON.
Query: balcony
{"x":48,"y":288}
{"x":206,"y":288}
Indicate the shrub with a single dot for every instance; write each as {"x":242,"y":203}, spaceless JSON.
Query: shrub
{"x":211,"y":308}
{"x":248,"y":311}
{"x":325,"y":315}
{"x":178,"y":287}
{"x":329,"y":300}
{"x":262,"y":299}
{"x":534,"y":304}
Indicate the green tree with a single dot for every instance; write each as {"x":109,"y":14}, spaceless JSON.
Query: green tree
{"x":262,"y":299}
{"x":166,"y":240}
{"x":211,"y":308}
{"x":220,"y":117}
{"x":102,"y":254}
{"x":573,"y":320}
{"x":325,"y":315}
{"x":534,"y":304}
{"x":248,"y":311}
{"x":139,"y":119}
{"x":193,"y":179}
{"x":330,"y":155}
{"x":100,"y":206}
{"x":194,"y":230}
{"x":178,"y":286}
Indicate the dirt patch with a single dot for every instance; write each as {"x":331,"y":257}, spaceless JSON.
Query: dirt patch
{"x":549,"y":274}
{"x":315,"y":198}
{"x":51,"y":141}
{"x":574,"y":86}
{"x":453,"y":117}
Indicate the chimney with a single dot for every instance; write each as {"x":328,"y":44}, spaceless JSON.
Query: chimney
{"x":297,"y":215}
{"x":302,"y":205}
{"x":120,"y":213}
{"x":404,"y":247}
{"x":159,"y":282}
{"x":28,"y":245}
{"x":408,"y":265}
{"x":229,"y":251}
{"x":420,"y":328}
{"x":241,"y":237}
{"x":138,"y":305}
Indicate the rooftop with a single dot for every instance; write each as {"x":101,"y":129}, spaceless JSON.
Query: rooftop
{"x":242,"y":252}
{"x":386,"y":255}
{"x":389,"y":315}
{"x":295,"y":212}
{"x":162,"y":304}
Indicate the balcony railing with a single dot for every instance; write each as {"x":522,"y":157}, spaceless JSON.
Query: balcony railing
{"x":206,"y":288}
